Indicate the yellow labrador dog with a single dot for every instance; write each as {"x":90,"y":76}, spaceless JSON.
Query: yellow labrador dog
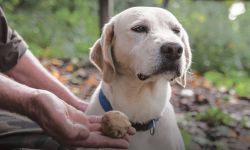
{"x":142,"y":50}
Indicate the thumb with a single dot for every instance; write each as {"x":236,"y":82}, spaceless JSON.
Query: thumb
{"x":81,"y":131}
{"x":74,"y":130}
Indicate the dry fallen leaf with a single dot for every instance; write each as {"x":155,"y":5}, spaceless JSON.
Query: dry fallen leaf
{"x":69,"y":68}
{"x":92,"y":80}
{"x":56,"y":62}
{"x":55,"y":73}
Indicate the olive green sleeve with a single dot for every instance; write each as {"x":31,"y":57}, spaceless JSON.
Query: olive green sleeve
{"x":12,"y":46}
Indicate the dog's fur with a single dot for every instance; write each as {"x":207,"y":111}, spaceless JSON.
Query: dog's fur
{"x":121,"y":54}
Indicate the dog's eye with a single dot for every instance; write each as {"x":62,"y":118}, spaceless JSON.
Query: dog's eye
{"x":176,"y":30}
{"x":140,"y":29}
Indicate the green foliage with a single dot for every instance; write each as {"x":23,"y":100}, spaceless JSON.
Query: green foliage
{"x":120,"y":5}
{"x":54,"y":29}
{"x":238,"y":80}
{"x":217,"y":42}
{"x":187,"y":137}
{"x":69,"y":28}
{"x":243,"y":121}
{"x":215,"y":116}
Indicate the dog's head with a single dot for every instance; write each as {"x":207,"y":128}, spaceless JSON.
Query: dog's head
{"x":144,"y":42}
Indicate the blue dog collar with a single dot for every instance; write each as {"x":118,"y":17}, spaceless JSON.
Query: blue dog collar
{"x":150,"y":125}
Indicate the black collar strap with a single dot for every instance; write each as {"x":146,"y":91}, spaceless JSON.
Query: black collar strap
{"x":146,"y":126}
{"x":150,"y":125}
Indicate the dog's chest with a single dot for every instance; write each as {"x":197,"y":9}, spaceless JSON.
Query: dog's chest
{"x":167,"y":135}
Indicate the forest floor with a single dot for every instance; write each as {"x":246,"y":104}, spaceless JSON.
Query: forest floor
{"x":209,"y":117}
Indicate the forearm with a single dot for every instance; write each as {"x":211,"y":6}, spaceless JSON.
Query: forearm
{"x":29,"y":71}
{"x":15,"y":97}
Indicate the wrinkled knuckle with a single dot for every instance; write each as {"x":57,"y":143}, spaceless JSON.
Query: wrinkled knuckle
{"x":71,"y":136}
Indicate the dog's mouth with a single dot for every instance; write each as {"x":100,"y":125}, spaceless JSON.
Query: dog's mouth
{"x":142,"y":76}
{"x":172,"y":72}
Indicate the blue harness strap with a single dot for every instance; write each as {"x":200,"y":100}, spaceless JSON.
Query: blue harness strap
{"x":150,"y":125}
{"x":104,"y":102}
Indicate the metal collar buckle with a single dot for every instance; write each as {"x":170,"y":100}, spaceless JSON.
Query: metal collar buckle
{"x":152,"y":130}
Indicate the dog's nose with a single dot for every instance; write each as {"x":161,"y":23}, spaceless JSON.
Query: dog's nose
{"x":172,"y":51}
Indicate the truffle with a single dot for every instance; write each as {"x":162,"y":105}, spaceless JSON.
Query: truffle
{"x":115,"y":124}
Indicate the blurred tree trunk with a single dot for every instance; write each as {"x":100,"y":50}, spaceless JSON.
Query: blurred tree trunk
{"x":105,"y":11}
{"x":165,"y":3}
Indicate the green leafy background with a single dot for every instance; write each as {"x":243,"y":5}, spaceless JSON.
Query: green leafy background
{"x":68,"y":28}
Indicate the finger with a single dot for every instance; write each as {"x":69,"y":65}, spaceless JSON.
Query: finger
{"x":99,"y":141}
{"x":78,"y":117}
{"x":74,"y":131}
{"x":98,"y":132}
{"x":95,"y":119}
{"x":95,"y":127}
{"x":81,"y":132}
{"x":131,"y":131}
{"x":81,"y":105}
{"x":126,"y":137}
{"x":68,"y":131}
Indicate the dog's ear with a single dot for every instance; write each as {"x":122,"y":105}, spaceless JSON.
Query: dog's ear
{"x":188,"y":55}
{"x":101,"y":55}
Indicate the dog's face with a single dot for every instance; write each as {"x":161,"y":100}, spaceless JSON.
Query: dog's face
{"x":144,"y":42}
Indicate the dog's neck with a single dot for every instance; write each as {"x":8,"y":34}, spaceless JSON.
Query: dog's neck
{"x":140,"y":101}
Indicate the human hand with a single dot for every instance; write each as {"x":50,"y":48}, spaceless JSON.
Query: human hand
{"x":68,"y":125}
{"x":78,"y":103}
{"x":98,"y":140}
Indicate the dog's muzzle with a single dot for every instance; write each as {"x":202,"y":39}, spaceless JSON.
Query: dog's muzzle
{"x":170,"y":56}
